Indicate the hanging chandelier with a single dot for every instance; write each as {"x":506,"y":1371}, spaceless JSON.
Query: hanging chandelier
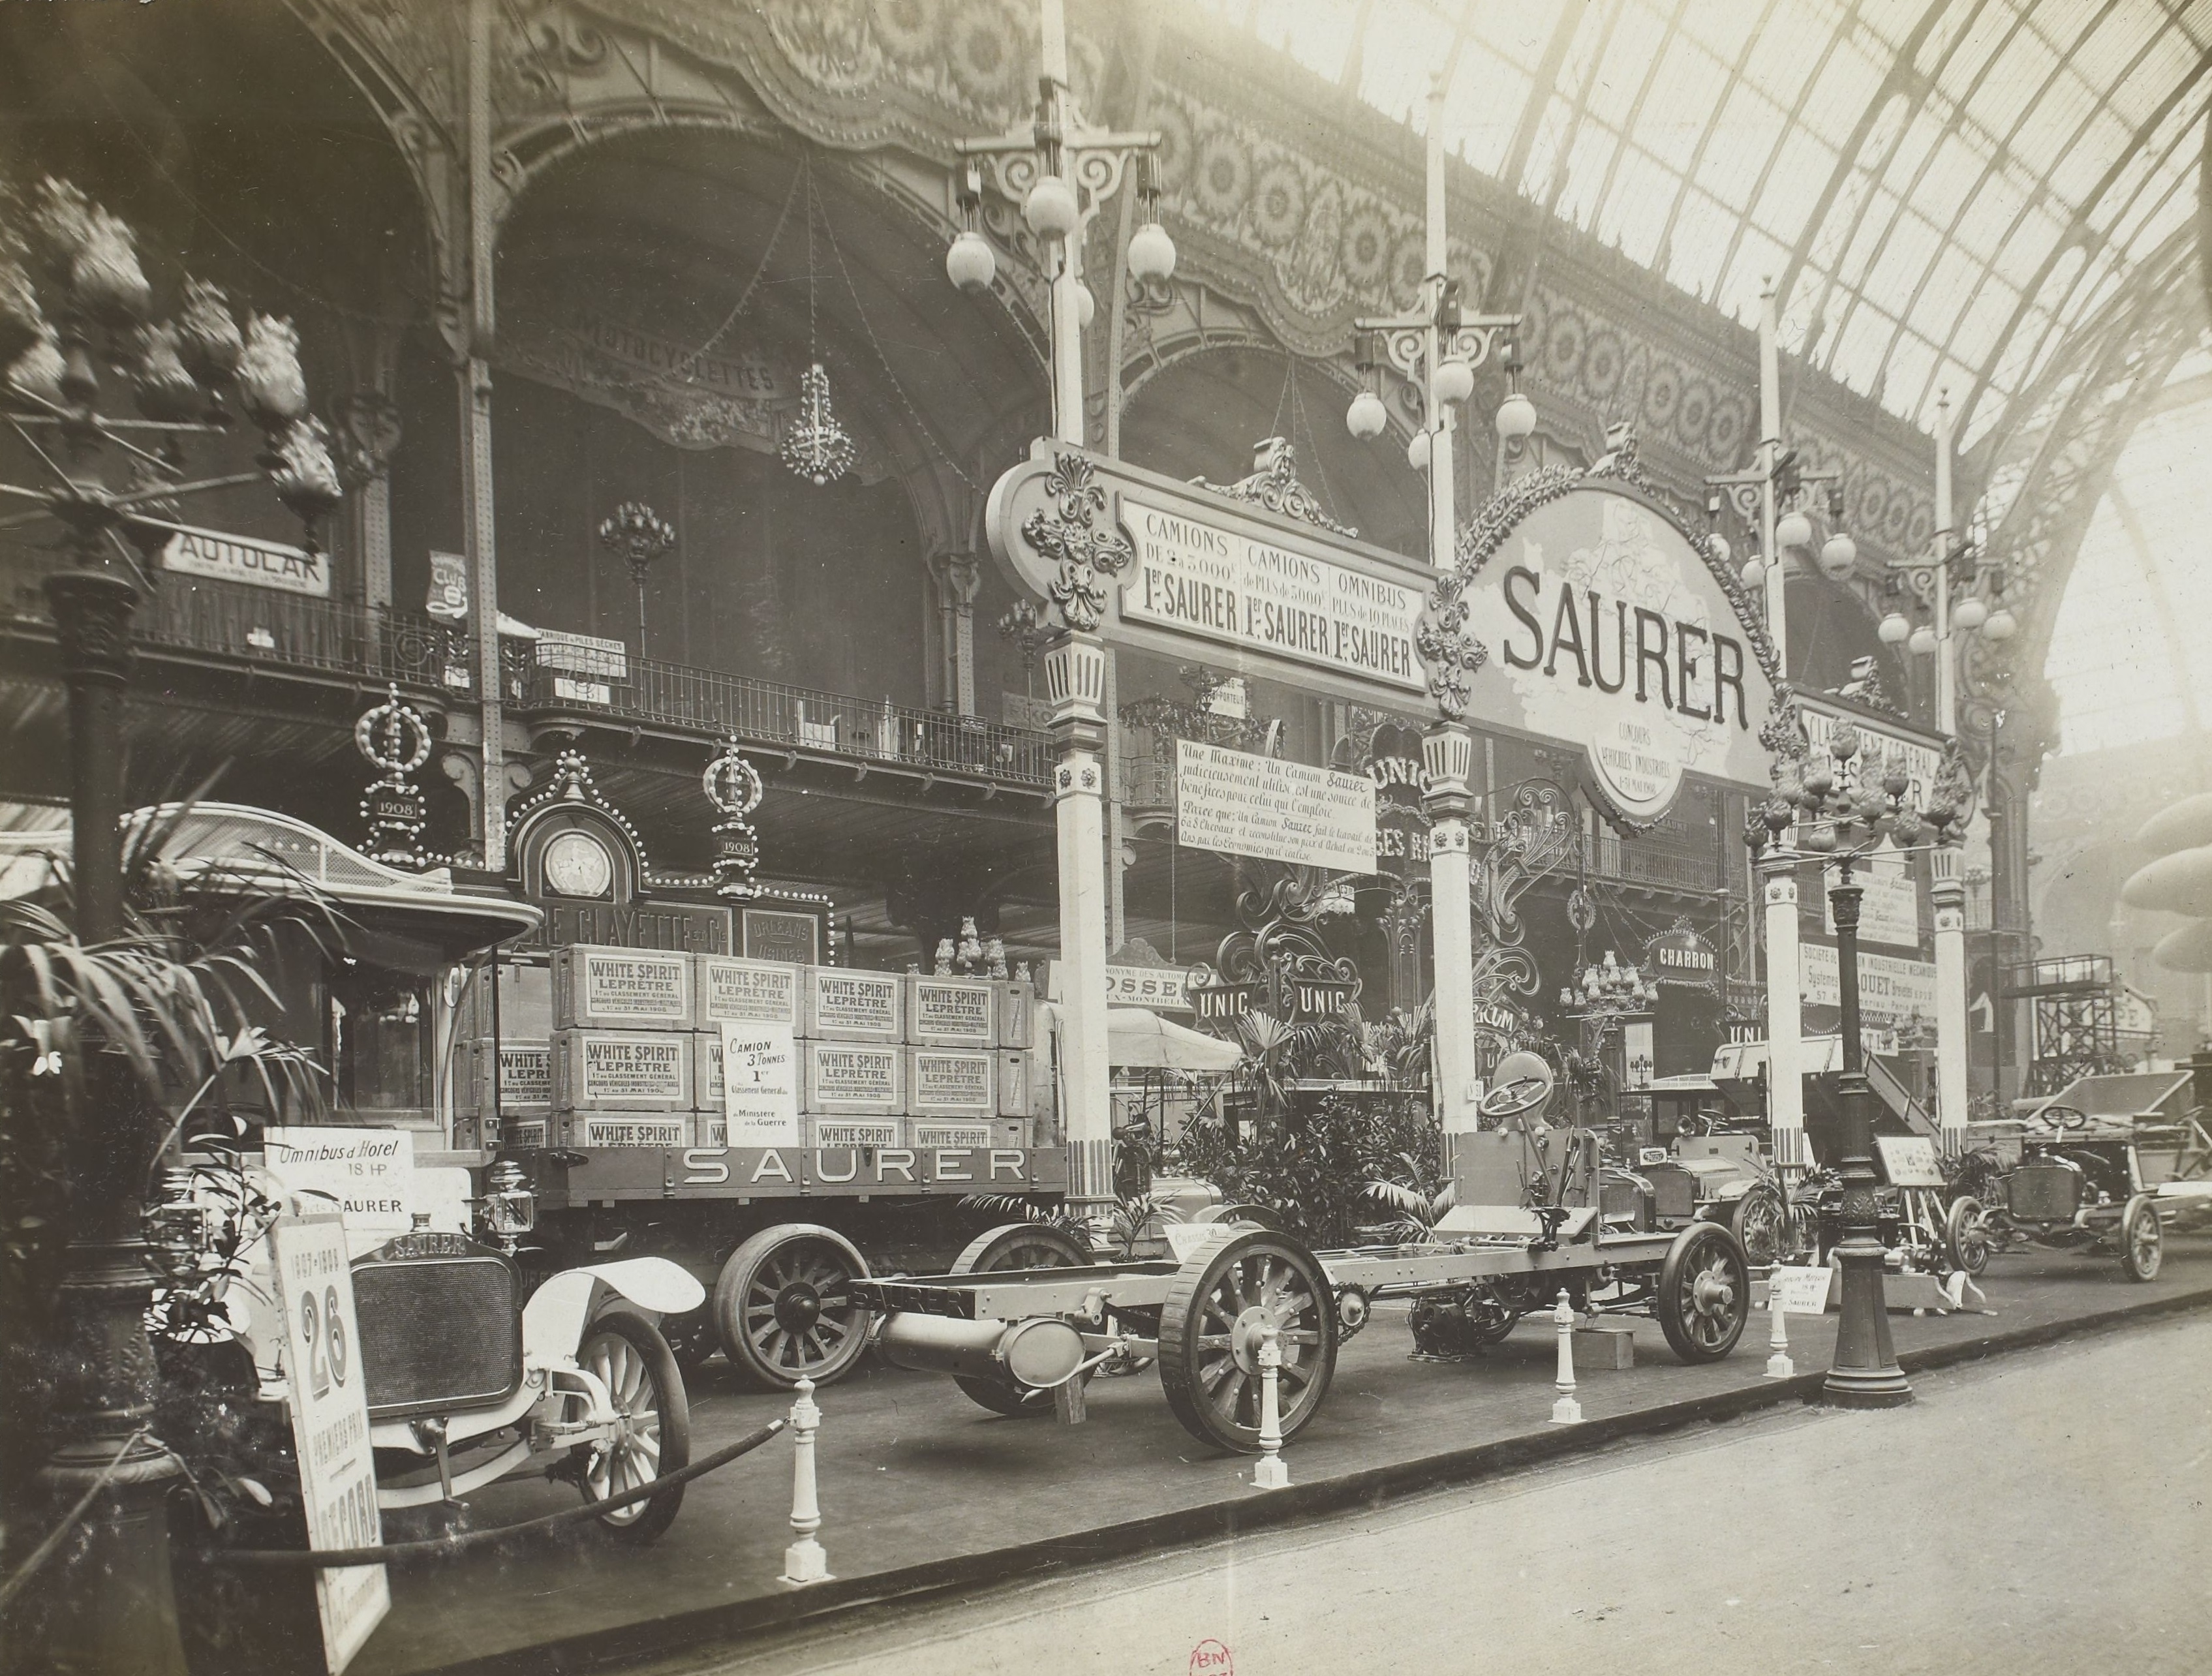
{"x":1608,"y":991}
{"x":815,"y":445}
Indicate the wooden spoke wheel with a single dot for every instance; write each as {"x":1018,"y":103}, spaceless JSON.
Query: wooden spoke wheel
{"x":1210,"y":1336}
{"x":1018,"y":1245}
{"x":1756,"y":1220}
{"x":1705,"y":1293}
{"x":652,"y":1424}
{"x":2143,"y":1241}
{"x":1966,"y":1234}
{"x":782,"y":1309}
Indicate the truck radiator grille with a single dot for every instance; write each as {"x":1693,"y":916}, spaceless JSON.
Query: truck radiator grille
{"x":438,"y":1334}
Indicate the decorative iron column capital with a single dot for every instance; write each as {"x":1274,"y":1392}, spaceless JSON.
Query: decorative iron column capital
{"x":92,"y":623}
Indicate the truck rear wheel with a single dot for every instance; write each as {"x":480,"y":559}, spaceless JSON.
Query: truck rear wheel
{"x":1705,"y":1293}
{"x":782,"y":1308}
{"x":1017,"y":1245}
{"x":1210,"y":1336}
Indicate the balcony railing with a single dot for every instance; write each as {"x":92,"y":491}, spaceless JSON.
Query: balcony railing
{"x":1649,"y":861}
{"x":770,"y":713}
{"x":261,"y":627}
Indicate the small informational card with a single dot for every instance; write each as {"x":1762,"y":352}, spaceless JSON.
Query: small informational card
{"x":1909,"y":1161}
{"x":367,"y":1174}
{"x":329,"y":1426}
{"x":760,"y":1083}
{"x":1801,"y":1291}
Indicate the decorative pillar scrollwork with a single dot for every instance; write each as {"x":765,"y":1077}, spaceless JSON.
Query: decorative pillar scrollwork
{"x":394,"y":738}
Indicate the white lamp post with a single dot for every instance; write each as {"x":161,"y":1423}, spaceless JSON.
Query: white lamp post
{"x":1766,"y":496}
{"x":1062,"y":170}
{"x":1942,"y":583}
{"x":1437,"y":346}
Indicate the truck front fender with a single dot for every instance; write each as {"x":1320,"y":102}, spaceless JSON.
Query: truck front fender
{"x":554,"y":1318}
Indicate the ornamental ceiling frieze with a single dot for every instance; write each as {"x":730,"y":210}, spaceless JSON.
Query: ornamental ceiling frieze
{"x":1701,"y":415}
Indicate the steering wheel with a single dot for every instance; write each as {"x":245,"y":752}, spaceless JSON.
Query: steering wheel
{"x":1511,"y":1099}
{"x":2064,"y":1117}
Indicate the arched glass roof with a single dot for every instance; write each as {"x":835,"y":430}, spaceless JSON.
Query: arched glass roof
{"x":1941,"y":187}
{"x":2121,"y":651}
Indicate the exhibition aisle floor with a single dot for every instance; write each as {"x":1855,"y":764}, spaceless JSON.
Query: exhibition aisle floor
{"x":920,"y":1489}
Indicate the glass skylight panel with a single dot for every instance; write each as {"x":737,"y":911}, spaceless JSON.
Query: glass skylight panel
{"x":1801,"y":171}
{"x":2050,"y":133}
{"x":1975,"y":337}
{"x":1866,"y":241}
{"x":1483,"y":108}
{"x":1842,"y":86}
{"x":1586,"y":165}
{"x":1757,"y":259}
{"x":1638,"y":37}
{"x":1724,"y":30}
{"x":1891,"y":20}
{"x":1316,"y":33}
{"x":1406,"y":44}
{"x":1942,"y":188}
{"x":2198,"y":21}
{"x":1739,"y":147}
{"x":1951,"y":280}
{"x":1906,"y":371}
{"x":2014,"y":80}
{"x":1635,"y":211}
{"x":1699,"y":245}
{"x":1782,"y":57}
{"x":1904,"y":260}
{"x":1985,"y":32}
{"x":1988,"y":215}
{"x":1858,"y":354}
{"x":2167,"y":219}
{"x":1674,"y":118}
{"x":1517,"y":30}
{"x":2074,"y":176}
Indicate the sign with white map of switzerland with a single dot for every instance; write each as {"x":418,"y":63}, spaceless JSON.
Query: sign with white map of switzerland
{"x":1609,"y":630}
{"x":1261,"y":806}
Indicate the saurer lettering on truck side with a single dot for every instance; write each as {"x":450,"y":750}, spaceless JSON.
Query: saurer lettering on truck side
{"x":891,"y":1166}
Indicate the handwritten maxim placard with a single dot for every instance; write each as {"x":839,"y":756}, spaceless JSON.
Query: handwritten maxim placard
{"x":1261,"y":806}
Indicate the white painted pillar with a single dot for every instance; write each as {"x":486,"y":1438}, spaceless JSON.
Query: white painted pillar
{"x":1443,"y":496}
{"x":1447,"y":752}
{"x":1075,"y":683}
{"x":1770,"y":448}
{"x":1067,"y":311}
{"x":1785,"y":1028}
{"x":1947,"y":663}
{"x":1949,"y":895}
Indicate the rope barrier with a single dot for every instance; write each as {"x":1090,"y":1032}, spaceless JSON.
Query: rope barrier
{"x":442,"y":1547}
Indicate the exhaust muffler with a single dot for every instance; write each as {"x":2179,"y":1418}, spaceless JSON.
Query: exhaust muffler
{"x":1033,"y":1354}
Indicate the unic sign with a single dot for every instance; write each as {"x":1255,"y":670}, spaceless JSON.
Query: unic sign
{"x":1613,"y":631}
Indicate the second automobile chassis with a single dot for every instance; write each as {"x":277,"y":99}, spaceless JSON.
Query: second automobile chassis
{"x":1009,"y":1335}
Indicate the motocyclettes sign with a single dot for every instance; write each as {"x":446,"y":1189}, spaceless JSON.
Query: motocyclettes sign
{"x":1613,"y":631}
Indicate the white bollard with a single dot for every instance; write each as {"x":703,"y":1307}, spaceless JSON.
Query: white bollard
{"x":1778,"y":1365}
{"x":1269,"y":1472}
{"x":804,"y":1561}
{"x":1566,"y":1411}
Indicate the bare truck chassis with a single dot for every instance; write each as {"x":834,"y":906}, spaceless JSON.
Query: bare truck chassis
{"x":1009,"y":1334}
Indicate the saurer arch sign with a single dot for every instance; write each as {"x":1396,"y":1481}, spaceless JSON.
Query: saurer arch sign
{"x":1604,"y":623}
